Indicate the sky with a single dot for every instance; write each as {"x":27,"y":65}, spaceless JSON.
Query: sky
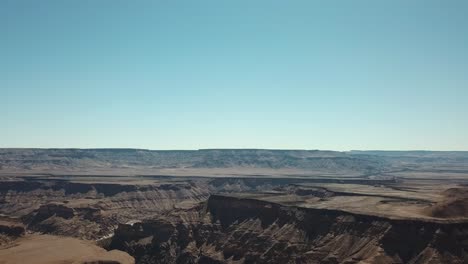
{"x":337,"y":75}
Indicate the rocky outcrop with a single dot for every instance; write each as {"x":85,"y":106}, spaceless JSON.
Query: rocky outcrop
{"x":11,"y":229}
{"x":58,"y":219}
{"x":49,"y":210}
{"x":455,"y":204}
{"x":235,"y":230}
{"x":91,"y":210}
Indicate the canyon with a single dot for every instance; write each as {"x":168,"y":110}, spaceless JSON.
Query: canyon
{"x":234,"y":206}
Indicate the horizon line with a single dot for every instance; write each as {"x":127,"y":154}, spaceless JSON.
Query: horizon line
{"x":207,"y":149}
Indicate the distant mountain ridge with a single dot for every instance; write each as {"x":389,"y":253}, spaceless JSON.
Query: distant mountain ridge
{"x":206,"y":158}
{"x":328,"y":162}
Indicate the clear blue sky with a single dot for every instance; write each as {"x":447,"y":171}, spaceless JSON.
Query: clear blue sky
{"x":231,"y":74}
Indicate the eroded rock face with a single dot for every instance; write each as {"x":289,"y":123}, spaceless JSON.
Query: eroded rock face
{"x":91,"y":210}
{"x":233,"y":230}
{"x":59,"y":219}
{"x":454,"y":205}
{"x":11,"y":229}
{"x":50,"y":210}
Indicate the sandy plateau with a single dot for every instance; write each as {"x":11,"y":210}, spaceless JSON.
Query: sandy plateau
{"x":47,"y":249}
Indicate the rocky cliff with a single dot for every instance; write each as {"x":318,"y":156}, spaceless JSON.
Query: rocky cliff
{"x":91,"y":210}
{"x":235,"y":230}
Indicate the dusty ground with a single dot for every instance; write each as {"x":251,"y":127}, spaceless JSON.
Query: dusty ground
{"x":47,"y":249}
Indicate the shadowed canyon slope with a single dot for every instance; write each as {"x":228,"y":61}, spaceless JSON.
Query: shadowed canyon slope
{"x":233,"y":230}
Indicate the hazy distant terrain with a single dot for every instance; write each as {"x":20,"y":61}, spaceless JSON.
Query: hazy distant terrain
{"x":212,"y":162}
{"x":30,"y":159}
